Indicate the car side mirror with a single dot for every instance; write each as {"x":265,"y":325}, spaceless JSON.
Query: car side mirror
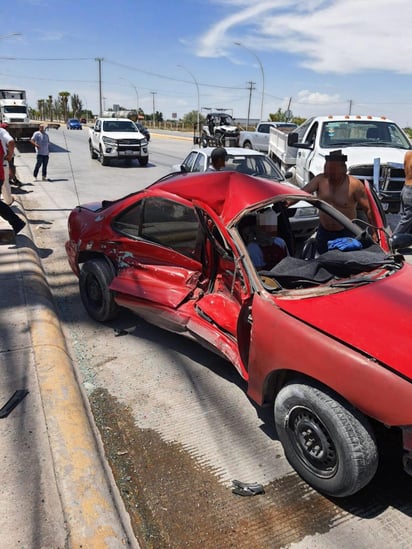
{"x":288,"y":175}
{"x":183,"y":168}
{"x":292,"y":139}
{"x":293,"y":142}
{"x":401,"y":241}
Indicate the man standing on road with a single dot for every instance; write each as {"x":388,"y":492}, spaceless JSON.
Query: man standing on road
{"x":218,"y":159}
{"x":40,"y":140}
{"x":344,"y":192}
{"x":405,"y":222}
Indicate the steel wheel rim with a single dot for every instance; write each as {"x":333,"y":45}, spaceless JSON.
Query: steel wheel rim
{"x":312,"y":442}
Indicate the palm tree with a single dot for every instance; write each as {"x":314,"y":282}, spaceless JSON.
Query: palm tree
{"x":40,"y":106}
{"x":64,"y":98}
{"x":50,"y":107}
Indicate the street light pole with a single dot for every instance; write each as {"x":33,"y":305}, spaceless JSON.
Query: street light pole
{"x":136,"y":92}
{"x":99,"y":60}
{"x":261,"y":70}
{"x":154,"y":111}
{"x":198,"y":96}
{"x":3,"y":36}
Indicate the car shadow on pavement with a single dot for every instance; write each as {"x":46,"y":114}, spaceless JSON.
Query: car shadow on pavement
{"x":129,"y":324}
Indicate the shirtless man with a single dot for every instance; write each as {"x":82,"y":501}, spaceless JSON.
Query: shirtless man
{"x":405,"y":222}
{"x":344,"y":192}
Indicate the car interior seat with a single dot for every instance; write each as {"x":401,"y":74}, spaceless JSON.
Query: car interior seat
{"x":373,"y":133}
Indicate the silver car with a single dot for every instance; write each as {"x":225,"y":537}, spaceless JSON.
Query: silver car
{"x":303,"y":216}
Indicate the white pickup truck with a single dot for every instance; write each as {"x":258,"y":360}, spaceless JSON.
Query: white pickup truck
{"x":259,"y":139}
{"x":117,"y":138}
{"x":375,"y":147}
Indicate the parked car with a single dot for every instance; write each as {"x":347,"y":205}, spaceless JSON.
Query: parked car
{"x":325,"y":340}
{"x":304,"y":217}
{"x":73,"y":124}
{"x":117,"y":139}
{"x":143,"y":130}
{"x":83,"y":121}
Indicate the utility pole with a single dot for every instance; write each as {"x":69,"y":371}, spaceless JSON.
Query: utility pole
{"x":99,"y":60}
{"x":154,"y":111}
{"x":350,"y":106}
{"x":251,"y":84}
{"x":288,"y":112}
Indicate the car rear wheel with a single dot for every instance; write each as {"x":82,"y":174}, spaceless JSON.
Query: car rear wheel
{"x":247,"y":145}
{"x":95,"y":278}
{"x":330,"y":444}
{"x":92,"y":151}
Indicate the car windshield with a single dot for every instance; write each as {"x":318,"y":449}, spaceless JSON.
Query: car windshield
{"x":259,"y":165}
{"x":119,"y":126}
{"x":362,"y":133}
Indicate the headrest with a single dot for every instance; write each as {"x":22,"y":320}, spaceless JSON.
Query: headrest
{"x":267,"y":217}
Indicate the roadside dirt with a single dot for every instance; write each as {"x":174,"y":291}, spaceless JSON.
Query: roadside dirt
{"x":173,"y":501}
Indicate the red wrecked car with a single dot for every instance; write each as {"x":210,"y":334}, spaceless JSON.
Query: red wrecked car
{"x":324,"y":339}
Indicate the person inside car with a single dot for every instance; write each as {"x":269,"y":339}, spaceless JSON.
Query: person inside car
{"x":264,"y":246}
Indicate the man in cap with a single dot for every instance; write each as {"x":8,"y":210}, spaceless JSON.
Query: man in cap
{"x":218,"y":159}
{"x":344,"y":192}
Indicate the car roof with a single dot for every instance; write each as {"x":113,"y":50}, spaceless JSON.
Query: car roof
{"x":108,"y":118}
{"x":231,"y":151}
{"x":227,"y":193}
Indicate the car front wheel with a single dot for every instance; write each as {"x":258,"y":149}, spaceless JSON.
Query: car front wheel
{"x":92,"y":151}
{"x":330,"y":444}
{"x":104,"y":161}
{"x":95,"y":278}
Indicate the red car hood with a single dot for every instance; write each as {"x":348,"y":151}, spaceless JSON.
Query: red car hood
{"x":375,"y":319}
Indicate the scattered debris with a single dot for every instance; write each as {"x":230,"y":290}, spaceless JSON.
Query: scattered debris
{"x":13,"y":402}
{"x":247,"y":488}
{"x":119,"y":332}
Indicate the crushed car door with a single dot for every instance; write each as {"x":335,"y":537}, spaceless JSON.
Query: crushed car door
{"x":160,"y":261}
{"x":219,"y":309}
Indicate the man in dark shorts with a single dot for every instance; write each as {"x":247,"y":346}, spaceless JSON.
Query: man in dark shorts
{"x":344,"y":192}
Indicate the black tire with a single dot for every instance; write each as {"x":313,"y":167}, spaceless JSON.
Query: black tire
{"x":95,"y":277}
{"x":104,"y":161}
{"x":143,"y":161}
{"x":330,"y":444}
{"x":247,"y":145}
{"x":92,"y":151}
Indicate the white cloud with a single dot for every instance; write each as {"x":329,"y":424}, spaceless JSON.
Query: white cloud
{"x":334,"y":36}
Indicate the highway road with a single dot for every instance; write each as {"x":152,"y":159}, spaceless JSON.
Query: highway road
{"x":174,"y":419}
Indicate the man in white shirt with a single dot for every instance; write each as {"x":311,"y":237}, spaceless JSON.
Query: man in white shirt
{"x":40,"y":140}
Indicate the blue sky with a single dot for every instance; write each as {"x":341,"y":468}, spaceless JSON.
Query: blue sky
{"x":320,"y":55}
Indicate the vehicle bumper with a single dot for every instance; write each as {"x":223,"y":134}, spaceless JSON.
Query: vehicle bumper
{"x":113,"y":152}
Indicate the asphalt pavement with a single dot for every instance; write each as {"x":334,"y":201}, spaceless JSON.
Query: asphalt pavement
{"x":56,"y":488}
